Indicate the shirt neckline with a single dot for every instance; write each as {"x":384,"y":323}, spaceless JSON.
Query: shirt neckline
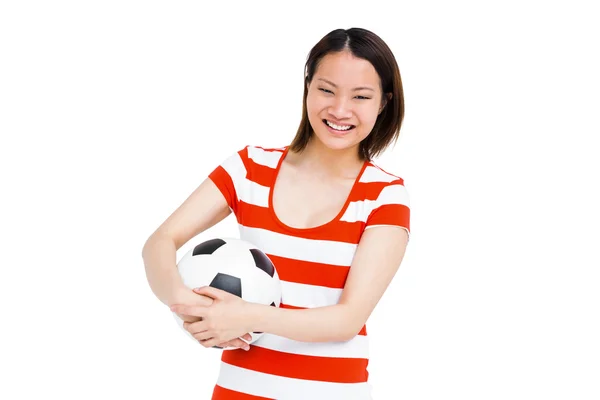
{"x":318,"y":227}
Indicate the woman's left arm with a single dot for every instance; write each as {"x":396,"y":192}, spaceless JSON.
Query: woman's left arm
{"x":378,"y":257}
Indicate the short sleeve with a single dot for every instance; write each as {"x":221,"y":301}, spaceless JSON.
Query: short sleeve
{"x":392,"y":207}
{"x":228,"y":177}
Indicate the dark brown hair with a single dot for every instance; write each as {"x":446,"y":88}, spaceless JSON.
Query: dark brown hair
{"x":366,"y":45}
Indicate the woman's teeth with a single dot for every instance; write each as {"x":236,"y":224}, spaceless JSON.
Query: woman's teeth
{"x":339,"y":127}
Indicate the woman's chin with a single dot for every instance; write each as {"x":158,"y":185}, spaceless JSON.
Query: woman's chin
{"x":337,"y":143}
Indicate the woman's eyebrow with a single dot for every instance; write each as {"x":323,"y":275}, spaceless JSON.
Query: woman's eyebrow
{"x":357,"y":88}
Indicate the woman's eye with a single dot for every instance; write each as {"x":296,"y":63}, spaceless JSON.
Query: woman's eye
{"x":358,"y":97}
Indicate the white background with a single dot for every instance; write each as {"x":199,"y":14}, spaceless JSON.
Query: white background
{"x":112,"y":112}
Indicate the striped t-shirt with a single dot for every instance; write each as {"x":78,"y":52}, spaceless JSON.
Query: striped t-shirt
{"x":312,"y":264}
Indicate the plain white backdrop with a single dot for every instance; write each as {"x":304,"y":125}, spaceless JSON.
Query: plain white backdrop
{"x":112,"y":112}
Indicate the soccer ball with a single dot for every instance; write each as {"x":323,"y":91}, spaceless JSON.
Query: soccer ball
{"x":235,"y":266}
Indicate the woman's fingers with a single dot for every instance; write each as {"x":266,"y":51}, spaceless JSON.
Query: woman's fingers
{"x":226,"y":345}
{"x":211,"y":342}
{"x":247,"y":336}
{"x":195,"y":310}
{"x":189,"y":318}
{"x":201,"y":336}
{"x":195,"y":327}
{"x":201,"y":332}
{"x":235,"y":343}
{"x":240,"y":344}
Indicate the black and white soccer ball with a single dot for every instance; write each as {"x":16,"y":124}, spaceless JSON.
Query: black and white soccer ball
{"x":235,"y":266}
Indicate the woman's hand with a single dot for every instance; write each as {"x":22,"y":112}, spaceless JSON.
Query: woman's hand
{"x":185,"y":296}
{"x":225,"y":319}
{"x":239,"y":343}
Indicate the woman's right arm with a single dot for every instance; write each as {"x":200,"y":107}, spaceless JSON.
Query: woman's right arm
{"x":205,"y":207}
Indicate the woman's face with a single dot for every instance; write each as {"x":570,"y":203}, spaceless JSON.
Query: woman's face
{"x":343,"y":100}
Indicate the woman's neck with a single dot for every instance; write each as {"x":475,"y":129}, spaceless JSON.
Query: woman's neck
{"x":321,"y":160}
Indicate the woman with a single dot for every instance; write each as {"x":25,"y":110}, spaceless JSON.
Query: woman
{"x":335,"y":225}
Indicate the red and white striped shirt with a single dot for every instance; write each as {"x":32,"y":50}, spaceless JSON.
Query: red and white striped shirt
{"x":312,"y":265}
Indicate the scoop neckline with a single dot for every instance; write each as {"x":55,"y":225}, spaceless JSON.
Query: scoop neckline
{"x":318,"y":227}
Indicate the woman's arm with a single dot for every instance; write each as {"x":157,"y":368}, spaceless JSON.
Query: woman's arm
{"x":377,"y":259}
{"x":375,"y":263}
{"x":205,"y":207}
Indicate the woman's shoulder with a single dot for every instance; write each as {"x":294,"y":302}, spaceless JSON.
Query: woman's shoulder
{"x":256,"y":147}
{"x":387,"y":197}
{"x":262,"y":155}
{"x":375,"y":173}
{"x":251,"y":159}
{"x":257,"y":150}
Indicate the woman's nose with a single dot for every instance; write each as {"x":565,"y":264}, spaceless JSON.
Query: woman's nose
{"x":340,"y":109}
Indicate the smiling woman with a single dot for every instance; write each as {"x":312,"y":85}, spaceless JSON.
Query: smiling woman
{"x":333,"y":222}
{"x":350,"y":78}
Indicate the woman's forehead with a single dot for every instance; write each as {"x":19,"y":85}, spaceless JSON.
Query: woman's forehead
{"x":345,"y":70}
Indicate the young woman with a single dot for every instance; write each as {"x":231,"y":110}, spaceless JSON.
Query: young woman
{"x":335,"y":225}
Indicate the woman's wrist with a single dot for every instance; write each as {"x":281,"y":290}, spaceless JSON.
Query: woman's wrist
{"x":256,"y":316}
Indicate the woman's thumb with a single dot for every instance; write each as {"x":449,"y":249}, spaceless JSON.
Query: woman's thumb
{"x":210,"y":291}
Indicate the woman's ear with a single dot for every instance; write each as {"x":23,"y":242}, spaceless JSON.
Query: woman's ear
{"x":388,"y":97}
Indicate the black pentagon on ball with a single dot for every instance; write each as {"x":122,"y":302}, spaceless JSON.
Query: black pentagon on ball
{"x":263,"y":262}
{"x":208,"y":247}
{"x":227,"y":283}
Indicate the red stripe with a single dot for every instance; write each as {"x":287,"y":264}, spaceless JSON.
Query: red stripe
{"x":279,"y":149}
{"x":325,"y":369}
{"x":220,"y":393}
{"x":257,"y":173}
{"x":363,"y":331}
{"x":390,"y":214}
{"x":253,"y":216}
{"x":310,"y":273}
{"x":367,"y":190}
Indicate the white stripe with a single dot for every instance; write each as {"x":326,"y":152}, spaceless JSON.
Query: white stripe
{"x":278,"y":387}
{"x":312,"y":250}
{"x":263,"y":157}
{"x":253,"y":193}
{"x":360,"y":210}
{"x":308,"y":296}
{"x":247,"y":191}
{"x":376,"y":174}
{"x":357,"y":347}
